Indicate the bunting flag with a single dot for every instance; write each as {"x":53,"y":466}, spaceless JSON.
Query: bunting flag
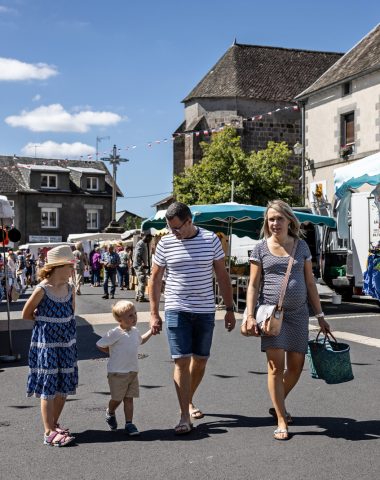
{"x":196,"y":133}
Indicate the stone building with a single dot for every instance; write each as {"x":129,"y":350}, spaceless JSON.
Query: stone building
{"x":53,"y":198}
{"x":342,"y":116}
{"x":252,"y":88}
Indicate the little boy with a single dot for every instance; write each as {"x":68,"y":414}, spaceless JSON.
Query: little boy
{"x":122,"y":344}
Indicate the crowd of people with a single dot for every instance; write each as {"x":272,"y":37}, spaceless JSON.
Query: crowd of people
{"x":188,"y":258}
{"x":110,"y":264}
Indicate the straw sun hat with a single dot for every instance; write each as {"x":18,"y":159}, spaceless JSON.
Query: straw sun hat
{"x":58,"y":256}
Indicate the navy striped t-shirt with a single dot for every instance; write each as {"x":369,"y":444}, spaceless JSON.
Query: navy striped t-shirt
{"x":189,"y":270}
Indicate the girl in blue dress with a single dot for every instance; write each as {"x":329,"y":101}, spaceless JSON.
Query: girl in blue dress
{"x":53,"y":370}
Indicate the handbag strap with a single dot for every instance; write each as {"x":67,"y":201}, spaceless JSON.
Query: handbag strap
{"x":287,"y":275}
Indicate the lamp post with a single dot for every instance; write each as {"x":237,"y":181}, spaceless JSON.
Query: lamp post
{"x":114,"y":160}
{"x":298,"y":152}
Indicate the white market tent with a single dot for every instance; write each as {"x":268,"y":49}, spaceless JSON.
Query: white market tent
{"x":95,"y":237}
{"x":35,"y":247}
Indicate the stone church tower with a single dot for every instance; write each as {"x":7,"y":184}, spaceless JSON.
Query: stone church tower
{"x":252,"y":88}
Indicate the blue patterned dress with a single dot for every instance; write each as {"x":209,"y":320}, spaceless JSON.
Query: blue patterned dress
{"x":53,"y":366}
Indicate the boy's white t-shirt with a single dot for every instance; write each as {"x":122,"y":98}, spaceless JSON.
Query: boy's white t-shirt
{"x":123,"y":347}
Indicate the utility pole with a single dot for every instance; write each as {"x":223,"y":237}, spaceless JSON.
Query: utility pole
{"x":114,"y":160}
{"x":98,"y":140}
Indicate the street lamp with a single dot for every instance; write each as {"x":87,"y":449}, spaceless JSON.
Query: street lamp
{"x":298,"y":152}
{"x":114,"y":160}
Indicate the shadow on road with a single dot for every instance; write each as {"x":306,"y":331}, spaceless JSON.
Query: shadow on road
{"x":333,"y":427}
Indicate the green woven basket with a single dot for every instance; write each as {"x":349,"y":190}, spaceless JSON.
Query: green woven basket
{"x":330,"y":360}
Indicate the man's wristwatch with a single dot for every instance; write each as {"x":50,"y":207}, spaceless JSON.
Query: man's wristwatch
{"x":320,"y":315}
{"x":231,"y":309}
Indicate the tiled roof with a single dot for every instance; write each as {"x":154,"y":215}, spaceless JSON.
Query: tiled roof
{"x":363,"y":58}
{"x":14,"y":171}
{"x":263,"y":73}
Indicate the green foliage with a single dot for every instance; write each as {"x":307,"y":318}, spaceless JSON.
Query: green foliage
{"x":132,"y":223}
{"x":258,"y":176}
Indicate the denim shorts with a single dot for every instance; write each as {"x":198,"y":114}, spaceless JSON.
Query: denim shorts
{"x":189,"y":333}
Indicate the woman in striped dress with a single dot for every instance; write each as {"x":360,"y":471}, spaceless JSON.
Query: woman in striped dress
{"x":53,"y":371}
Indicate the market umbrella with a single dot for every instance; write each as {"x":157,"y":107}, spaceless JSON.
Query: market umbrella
{"x":243,"y":220}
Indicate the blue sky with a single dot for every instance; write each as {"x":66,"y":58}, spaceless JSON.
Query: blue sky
{"x":75,"y":70}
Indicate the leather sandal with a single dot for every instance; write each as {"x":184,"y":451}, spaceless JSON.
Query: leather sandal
{"x":183,"y":428}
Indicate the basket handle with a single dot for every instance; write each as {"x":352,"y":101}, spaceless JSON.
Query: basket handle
{"x":327,"y":335}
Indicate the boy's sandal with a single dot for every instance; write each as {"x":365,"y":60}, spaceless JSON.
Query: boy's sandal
{"x":60,"y":429}
{"x":56,"y":439}
{"x":289,"y":418}
{"x":281,"y":434}
{"x":183,"y":428}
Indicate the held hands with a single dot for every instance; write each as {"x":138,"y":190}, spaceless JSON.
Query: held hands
{"x":155,"y":324}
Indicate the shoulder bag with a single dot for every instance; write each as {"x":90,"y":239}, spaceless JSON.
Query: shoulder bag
{"x":269,"y":317}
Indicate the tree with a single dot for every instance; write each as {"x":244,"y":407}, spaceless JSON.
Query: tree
{"x":259,"y":176}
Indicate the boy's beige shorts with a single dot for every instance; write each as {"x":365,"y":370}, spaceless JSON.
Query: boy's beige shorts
{"x":123,"y":385}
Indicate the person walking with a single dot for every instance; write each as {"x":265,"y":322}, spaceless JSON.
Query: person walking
{"x":123,"y":269}
{"x":80,"y":266}
{"x":141,"y":265}
{"x":21,"y":269}
{"x":269,"y":260}
{"x":110,"y":262}
{"x":188,"y":255}
{"x":122,"y":343}
{"x":96,"y":267}
{"x":53,"y":370}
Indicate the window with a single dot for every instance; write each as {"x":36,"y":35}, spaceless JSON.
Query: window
{"x":92,"y":183}
{"x":48,"y":180}
{"x":49,"y":217}
{"x":92,"y":219}
{"x":348,"y":129}
{"x":346,"y":89}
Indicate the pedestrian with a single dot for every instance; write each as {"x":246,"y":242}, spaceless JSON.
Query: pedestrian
{"x":21,"y":269}
{"x":29,"y":269}
{"x":92,"y":252}
{"x":110,"y":262}
{"x":80,"y":266}
{"x":53,"y":371}
{"x":40,"y":262}
{"x":121,"y":343}
{"x":96,"y":267}
{"x":141,"y":265}
{"x":269,"y":260}
{"x":123,"y":269}
{"x":189,"y":254}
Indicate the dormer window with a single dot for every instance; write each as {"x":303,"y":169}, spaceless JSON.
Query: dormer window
{"x":49,"y":180}
{"x":346,"y":89}
{"x":92,"y":183}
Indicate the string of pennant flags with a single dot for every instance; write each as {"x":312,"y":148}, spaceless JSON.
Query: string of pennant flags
{"x":197,"y":133}
{"x":191,"y":133}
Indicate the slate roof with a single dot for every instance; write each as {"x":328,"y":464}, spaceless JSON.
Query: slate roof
{"x":263,"y":73}
{"x":13,"y":176}
{"x":363,"y":58}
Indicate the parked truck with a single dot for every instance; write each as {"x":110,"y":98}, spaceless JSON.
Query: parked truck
{"x":344,"y":260}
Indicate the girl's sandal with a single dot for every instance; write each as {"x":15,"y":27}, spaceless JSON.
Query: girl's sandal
{"x":56,"y":439}
{"x":61,"y":430}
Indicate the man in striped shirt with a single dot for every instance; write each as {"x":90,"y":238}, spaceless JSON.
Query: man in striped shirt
{"x":189,"y":255}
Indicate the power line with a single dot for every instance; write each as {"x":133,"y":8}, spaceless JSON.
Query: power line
{"x":152,"y":195}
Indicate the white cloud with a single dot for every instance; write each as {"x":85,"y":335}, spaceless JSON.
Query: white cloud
{"x":54,"y":118}
{"x":36,"y":98}
{"x":50,"y":149}
{"x":12,"y":70}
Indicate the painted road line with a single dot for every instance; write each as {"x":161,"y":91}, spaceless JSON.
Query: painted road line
{"x":353,"y":337}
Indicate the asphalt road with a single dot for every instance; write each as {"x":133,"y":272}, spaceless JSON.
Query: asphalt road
{"x":336,"y":433}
